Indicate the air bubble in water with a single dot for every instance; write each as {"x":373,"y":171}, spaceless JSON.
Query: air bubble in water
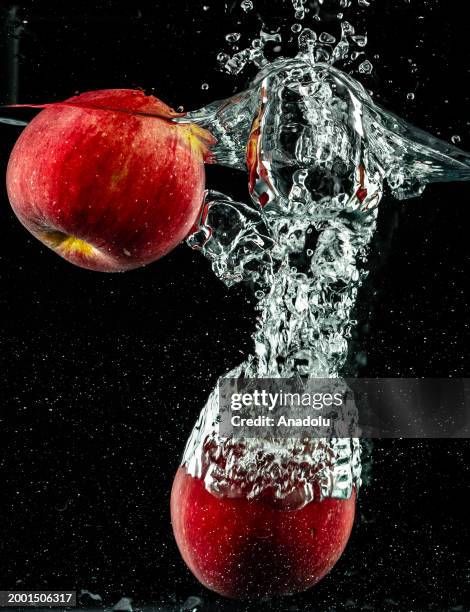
{"x":296,"y":28}
{"x":307,"y":39}
{"x":247,"y":5}
{"x":266,"y":36}
{"x":205,"y":86}
{"x":360,"y":40}
{"x":366,"y":67}
{"x":410,"y":96}
{"x":456,"y":139}
{"x":363,"y":2}
{"x":326,"y":38}
{"x":233,"y":37}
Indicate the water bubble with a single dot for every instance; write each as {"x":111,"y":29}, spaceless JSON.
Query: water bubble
{"x":296,"y":27}
{"x":347,"y":29}
{"x":205,"y":86}
{"x":366,"y":67}
{"x":233,"y":37}
{"x":309,"y":252}
{"x":456,"y":139}
{"x":360,"y":40}
{"x":299,"y":8}
{"x":410,"y":96}
{"x":191,"y":604}
{"x":247,"y":5}
{"x":327,"y":38}
{"x":307,"y":40}
{"x":273,"y":36}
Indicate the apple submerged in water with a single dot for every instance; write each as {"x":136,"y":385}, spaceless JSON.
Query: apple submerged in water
{"x":105,"y":185}
{"x":246,"y":549}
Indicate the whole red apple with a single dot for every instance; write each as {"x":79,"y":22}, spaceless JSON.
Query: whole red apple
{"x":250,"y":548}
{"x":108,"y":179}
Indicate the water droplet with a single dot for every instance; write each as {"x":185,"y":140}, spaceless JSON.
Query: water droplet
{"x":247,"y":5}
{"x":366,"y":67}
{"x":205,"y":86}
{"x":232,"y":37}
{"x":410,"y":96}
{"x":456,"y":139}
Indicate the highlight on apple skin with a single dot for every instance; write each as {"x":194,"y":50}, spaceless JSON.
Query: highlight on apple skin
{"x":247,"y":549}
{"x":107,"y":179}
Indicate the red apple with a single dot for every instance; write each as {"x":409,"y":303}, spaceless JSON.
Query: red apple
{"x":108,"y":179}
{"x":251,"y":548}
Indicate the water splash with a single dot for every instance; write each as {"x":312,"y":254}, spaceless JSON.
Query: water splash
{"x":344,"y":48}
{"x":318,"y":152}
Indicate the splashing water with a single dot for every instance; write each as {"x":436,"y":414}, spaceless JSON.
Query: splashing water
{"x":318,"y":152}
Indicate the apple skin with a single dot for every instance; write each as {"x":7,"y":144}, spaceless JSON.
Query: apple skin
{"x":104,"y":185}
{"x":247,"y":549}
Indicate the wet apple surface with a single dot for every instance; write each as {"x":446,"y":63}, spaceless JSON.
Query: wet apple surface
{"x":107,"y":179}
{"x":246,"y":549}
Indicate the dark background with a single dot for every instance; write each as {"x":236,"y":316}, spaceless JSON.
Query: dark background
{"x":103,"y":376}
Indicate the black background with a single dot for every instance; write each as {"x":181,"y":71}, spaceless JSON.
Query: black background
{"x":103,"y":376}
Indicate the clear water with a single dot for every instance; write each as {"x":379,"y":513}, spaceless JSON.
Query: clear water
{"x":318,"y":152}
